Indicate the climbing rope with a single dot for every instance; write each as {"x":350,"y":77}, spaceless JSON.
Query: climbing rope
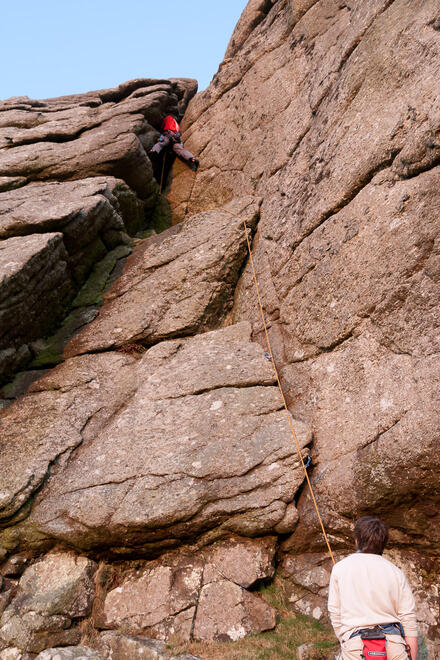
{"x":275,"y":370}
{"x":163,"y":168}
{"x":277,"y":378}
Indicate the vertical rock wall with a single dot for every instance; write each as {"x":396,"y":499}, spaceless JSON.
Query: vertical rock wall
{"x":329,"y":111}
{"x":153,"y":470}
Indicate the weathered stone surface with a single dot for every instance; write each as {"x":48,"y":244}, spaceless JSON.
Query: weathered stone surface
{"x":243,"y":561}
{"x":175,"y":284}
{"x":226,"y":612}
{"x":306,"y":583}
{"x":11,"y":182}
{"x":80,"y":209}
{"x":63,"y":408}
{"x":35,"y":289}
{"x":130,"y":647}
{"x":160,"y":602}
{"x":15,"y":565}
{"x":237,"y":467}
{"x":184,"y":595}
{"x":79,"y":138}
{"x":13,"y":653}
{"x":52,"y":592}
{"x":70,"y":653}
{"x":346,"y":250}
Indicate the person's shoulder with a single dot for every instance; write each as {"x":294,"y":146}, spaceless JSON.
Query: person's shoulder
{"x":343,"y":563}
{"x":393,"y":567}
{"x":379,"y":561}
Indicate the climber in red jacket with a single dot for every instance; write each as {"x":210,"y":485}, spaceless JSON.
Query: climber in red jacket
{"x":171,"y":139}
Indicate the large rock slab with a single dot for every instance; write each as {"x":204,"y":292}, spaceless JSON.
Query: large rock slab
{"x":235,"y":470}
{"x":51,"y":594}
{"x":176,"y":284}
{"x":59,"y":413}
{"x":227,"y":613}
{"x":82,"y":210}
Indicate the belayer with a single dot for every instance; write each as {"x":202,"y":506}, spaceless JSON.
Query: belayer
{"x":370,"y":602}
{"x":170,"y":138}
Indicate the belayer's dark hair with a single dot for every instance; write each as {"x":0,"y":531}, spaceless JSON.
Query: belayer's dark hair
{"x":371,"y":534}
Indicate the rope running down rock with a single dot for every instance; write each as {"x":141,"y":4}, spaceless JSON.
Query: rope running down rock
{"x":275,"y":370}
{"x":292,"y":429}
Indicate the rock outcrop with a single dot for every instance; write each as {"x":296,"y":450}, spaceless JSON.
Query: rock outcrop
{"x":76,"y":167}
{"x":52,"y":593}
{"x":196,"y":596}
{"x":155,"y":462}
{"x":158,"y":477}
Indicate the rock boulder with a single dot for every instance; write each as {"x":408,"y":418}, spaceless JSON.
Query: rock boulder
{"x":196,"y":596}
{"x":175,"y":284}
{"x":52,"y":593}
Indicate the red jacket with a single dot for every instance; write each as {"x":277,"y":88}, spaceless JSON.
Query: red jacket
{"x":170,"y":124}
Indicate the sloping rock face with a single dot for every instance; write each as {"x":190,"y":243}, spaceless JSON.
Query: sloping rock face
{"x":158,"y":477}
{"x":175,"y":284}
{"x":76,"y":167}
{"x":329,"y":112}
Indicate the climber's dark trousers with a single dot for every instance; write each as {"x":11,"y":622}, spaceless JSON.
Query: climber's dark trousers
{"x":173,"y":138}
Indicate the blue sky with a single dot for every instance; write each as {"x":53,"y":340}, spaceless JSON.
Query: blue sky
{"x":56,"y":47}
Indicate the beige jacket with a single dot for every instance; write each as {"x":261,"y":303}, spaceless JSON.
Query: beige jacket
{"x":367,"y":589}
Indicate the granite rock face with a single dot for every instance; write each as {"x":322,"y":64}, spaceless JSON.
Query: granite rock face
{"x":347,"y":245}
{"x":328,"y":112}
{"x":35,"y":289}
{"x":163,"y":426}
{"x":197,"y":596}
{"x":176,"y":284}
{"x":158,"y":478}
{"x":77,"y":166}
